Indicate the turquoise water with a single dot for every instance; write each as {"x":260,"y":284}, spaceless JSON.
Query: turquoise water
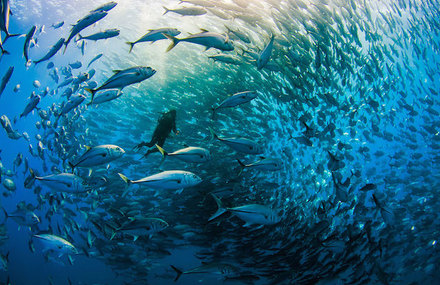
{"x":347,"y":102}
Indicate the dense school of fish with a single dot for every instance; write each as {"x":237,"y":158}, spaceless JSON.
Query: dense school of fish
{"x":307,"y":151}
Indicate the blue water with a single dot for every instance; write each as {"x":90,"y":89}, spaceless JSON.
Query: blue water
{"x":378,"y":61}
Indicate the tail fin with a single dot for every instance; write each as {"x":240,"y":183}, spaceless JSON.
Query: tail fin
{"x":71,"y":166}
{"x":10,"y":36}
{"x":79,"y":38}
{"x":213,"y":135}
{"x":178,"y":272}
{"x":125,"y":178}
{"x":166,"y":10}
{"x":131,"y":46}
{"x":173,"y":44}
{"x":220,"y":210}
{"x":242,"y":166}
{"x":6,"y":213}
{"x":91,"y":91}
{"x":162,"y":151}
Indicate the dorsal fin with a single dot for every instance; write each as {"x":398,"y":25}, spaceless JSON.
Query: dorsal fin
{"x":204,"y":31}
{"x":87,"y":147}
{"x":116,"y":70}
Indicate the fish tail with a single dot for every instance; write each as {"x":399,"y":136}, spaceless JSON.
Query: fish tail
{"x":65,"y":47}
{"x":242,"y":166}
{"x":6,"y":213}
{"x":166,"y":10}
{"x":162,"y":151}
{"x":178,"y":272}
{"x":125,"y":178}
{"x":213,"y":135}
{"x":91,"y":91}
{"x":10,"y":36}
{"x":71,"y":166}
{"x":220,"y":210}
{"x":174,"y":40}
{"x":28,"y":63}
{"x":131,"y":44}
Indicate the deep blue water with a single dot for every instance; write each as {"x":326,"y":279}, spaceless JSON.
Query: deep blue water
{"x":356,"y":80}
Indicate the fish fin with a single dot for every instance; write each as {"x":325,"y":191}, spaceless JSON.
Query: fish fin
{"x":166,"y":10}
{"x":71,"y":166}
{"x":126,"y":180}
{"x":131,"y":46}
{"x":6,"y":214}
{"x":10,"y":36}
{"x":178,"y":272}
{"x":173,"y":44}
{"x":247,"y":224}
{"x":162,"y":151}
{"x":88,"y":147}
{"x":79,"y":38}
{"x":179,"y":191}
{"x":116,"y":70}
{"x":135,"y":238}
{"x":213,"y":135}
{"x":220,"y":210}
{"x":242,"y":166}
{"x":91,"y":91}
{"x":205,"y":31}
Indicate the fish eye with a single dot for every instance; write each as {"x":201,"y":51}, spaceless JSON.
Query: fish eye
{"x":178,"y":181}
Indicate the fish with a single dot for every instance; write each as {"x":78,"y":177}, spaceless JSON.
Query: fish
{"x":236,"y":99}
{"x":9,"y":184}
{"x":83,"y":23}
{"x":122,"y":78}
{"x":240,"y":144}
{"x":206,"y":39}
{"x":264,"y":164}
{"x":64,"y":182}
{"x":222,"y":269}
{"x":226,"y":58}
{"x":105,"y":7}
{"x":188,"y":154}
{"x":75,"y":65}
{"x":94,"y":59}
{"x":27,"y":42}
{"x":34,"y":100}
{"x":111,"y":33}
{"x":186,"y":11}
{"x":98,"y":155}
{"x":6,"y":124}
{"x":251,"y":214}
{"x":138,"y":226}
{"x":53,"y":51}
{"x":73,"y":102}
{"x":58,"y":25}
{"x":239,"y":34}
{"x":264,"y":56}
{"x":154,"y":35}
{"x":23,"y":217}
{"x":6,"y":79}
{"x":5,"y":9}
{"x":167,"y":180}
{"x":56,"y":243}
{"x":106,"y":96}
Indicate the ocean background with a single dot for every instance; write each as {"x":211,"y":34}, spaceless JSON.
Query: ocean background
{"x":368,"y":91}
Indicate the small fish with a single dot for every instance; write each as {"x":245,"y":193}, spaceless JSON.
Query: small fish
{"x":188,"y":154}
{"x":27,"y":42}
{"x":75,"y":65}
{"x":226,"y":58}
{"x":105,"y":7}
{"x":225,"y":270}
{"x":186,"y":11}
{"x":34,"y":100}
{"x":368,"y":187}
{"x":17,"y":88}
{"x":236,"y":99}
{"x":36,"y":84}
{"x":206,"y":39}
{"x":56,"y":243}
{"x":167,"y":180}
{"x":64,"y":182}
{"x":240,"y":144}
{"x":264,"y":164}
{"x":251,"y":214}
{"x":23,"y":217}
{"x":101,"y":35}
{"x":137,"y":227}
{"x":106,"y":96}
{"x":94,"y":59}
{"x":123,"y":78}
{"x":5,"y":79}
{"x":98,"y":155}
{"x":155,"y":35}
{"x":264,"y":56}
{"x":5,"y":9}
{"x":73,"y":102}
{"x":9,"y":184}
{"x":83,"y":23}
{"x":53,"y":50}
{"x":58,"y":25}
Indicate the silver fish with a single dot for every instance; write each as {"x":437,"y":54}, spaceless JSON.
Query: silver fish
{"x":155,"y":35}
{"x":265,"y":54}
{"x":236,"y":99}
{"x":186,"y":11}
{"x":105,"y":7}
{"x":53,"y":50}
{"x":98,"y":155}
{"x":5,"y":79}
{"x":94,"y":59}
{"x":34,"y":100}
{"x":106,"y":96}
{"x":123,"y":78}
{"x":142,"y":227}
{"x":27,"y":41}
{"x":56,"y":243}
{"x":167,"y":180}
{"x":64,"y":182}
{"x":101,"y":35}
{"x":188,"y":154}
{"x":205,"y":38}
{"x":240,"y":144}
